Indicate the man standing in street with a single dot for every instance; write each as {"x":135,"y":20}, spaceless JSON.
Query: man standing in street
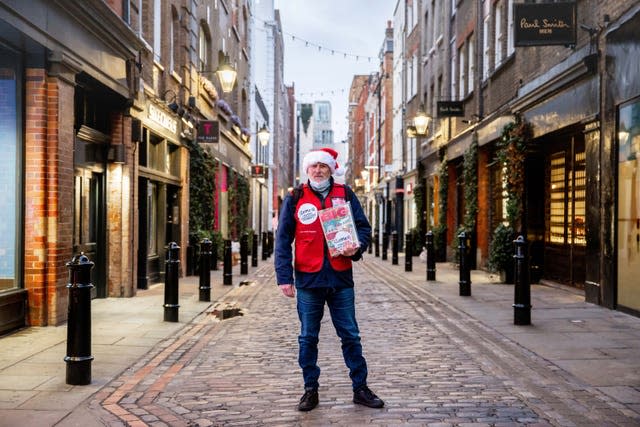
{"x":319,"y":278}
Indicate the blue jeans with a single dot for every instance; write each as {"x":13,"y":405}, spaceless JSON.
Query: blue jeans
{"x":343,"y":315}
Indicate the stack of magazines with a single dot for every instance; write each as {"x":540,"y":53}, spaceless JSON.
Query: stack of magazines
{"x":339,"y":228}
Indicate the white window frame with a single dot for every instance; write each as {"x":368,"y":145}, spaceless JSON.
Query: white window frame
{"x":471,"y":62}
{"x":157,"y":30}
{"x":499,"y":35}
{"x":486,"y":47}
{"x":462,"y":74}
{"x":510,"y":29}
{"x":454,"y":76}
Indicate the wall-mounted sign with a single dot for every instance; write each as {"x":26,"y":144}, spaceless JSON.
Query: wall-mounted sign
{"x":541,"y":24}
{"x":450,"y":109}
{"x":208,"y":131}
{"x":162,"y":118}
{"x":259,"y":171}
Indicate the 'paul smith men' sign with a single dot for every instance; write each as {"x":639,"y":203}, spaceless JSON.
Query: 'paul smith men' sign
{"x":540,"y":24}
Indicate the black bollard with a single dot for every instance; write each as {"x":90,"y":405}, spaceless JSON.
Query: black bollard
{"x":79,"y":356}
{"x":172,"y":271}
{"x":254,"y":250}
{"x":376,"y":242}
{"x":205,"y":270}
{"x":226,"y":273}
{"x":214,"y":256}
{"x":385,"y":245}
{"x":431,"y":257}
{"x":408,"y":252}
{"x":265,"y":248}
{"x":465,"y":274}
{"x":522,"y":296}
{"x":244,"y":254}
{"x":370,"y":248}
{"x":191,"y":260}
{"x":270,"y":240}
{"x":394,"y":247}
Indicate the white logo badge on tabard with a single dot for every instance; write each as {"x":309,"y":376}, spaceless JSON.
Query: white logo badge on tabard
{"x":307,"y":213}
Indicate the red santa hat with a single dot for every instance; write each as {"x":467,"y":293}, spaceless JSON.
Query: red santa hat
{"x":324,"y":155}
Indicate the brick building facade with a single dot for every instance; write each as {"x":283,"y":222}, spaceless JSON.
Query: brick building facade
{"x":100,"y":102}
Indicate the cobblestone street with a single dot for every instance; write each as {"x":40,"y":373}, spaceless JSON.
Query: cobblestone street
{"x":431,"y":363}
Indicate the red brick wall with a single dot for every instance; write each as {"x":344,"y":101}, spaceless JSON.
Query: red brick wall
{"x":48,"y":198}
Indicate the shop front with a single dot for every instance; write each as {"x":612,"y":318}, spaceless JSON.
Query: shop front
{"x":12,"y":294}
{"x":162,"y":191}
{"x":623,"y":118}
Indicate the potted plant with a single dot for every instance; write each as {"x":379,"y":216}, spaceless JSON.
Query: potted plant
{"x":501,"y":253}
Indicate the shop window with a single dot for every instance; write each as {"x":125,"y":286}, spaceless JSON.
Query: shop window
{"x":152,"y":218}
{"x":499,"y":195}
{"x":567,"y":180}
{"x":557,"y":197}
{"x":10,"y":171}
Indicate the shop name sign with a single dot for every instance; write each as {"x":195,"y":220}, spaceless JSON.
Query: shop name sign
{"x":450,"y":109}
{"x":208,"y":131}
{"x":162,"y":118}
{"x":542,"y":24}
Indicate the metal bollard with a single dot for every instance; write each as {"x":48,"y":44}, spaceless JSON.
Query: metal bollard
{"x":244,"y":254}
{"x":214,"y":256}
{"x":265,"y":249}
{"x":226,"y":273}
{"x":408,"y":252}
{"x":431,"y":256}
{"x":376,"y":242}
{"x":522,"y":290}
{"x":370,"y":248}
{"x":465,"y":274}
{"x":205,"y":270}
{"x":254,"y":251}
{"x":172,"y":271}
{"x":270,"y":239}
{"x":394,"y":247}
{"x":385,"y":245}
{"x":79,"y":356}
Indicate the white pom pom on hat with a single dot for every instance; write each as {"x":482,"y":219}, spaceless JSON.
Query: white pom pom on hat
{"x":325,"y":155}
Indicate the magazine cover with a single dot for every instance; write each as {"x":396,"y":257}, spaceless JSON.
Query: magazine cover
{"x":339,"y":228}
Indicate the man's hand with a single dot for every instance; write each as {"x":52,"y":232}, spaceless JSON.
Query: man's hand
{"x":349,"y":251}
{"x":288,"y":290}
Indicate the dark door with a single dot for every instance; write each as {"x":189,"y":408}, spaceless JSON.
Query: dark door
{"x":89,"y":228}
{"x":565,"y":238}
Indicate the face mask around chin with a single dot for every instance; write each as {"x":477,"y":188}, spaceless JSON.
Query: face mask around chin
{"x":319,"y":186}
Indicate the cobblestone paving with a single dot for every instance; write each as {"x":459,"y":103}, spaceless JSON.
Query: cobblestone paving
{"x":431,"y":365}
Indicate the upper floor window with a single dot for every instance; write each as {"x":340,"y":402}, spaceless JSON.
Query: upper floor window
{"x":157,"y":30}
{"x":463,"y":69}
{"x":486,"y":44}
{"x":510,"y":29}
{"x":454,"y":77}
{"x":472,"y":63}
{"x":499,"y":35}
{"x":203,"y":48}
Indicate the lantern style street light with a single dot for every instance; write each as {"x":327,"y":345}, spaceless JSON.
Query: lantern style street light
{"x":263,"y":135}
{"x":421,"y":122}
{"x":226,"y":74}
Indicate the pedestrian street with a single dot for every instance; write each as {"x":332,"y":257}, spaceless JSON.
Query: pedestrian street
{"x":431,"y":363}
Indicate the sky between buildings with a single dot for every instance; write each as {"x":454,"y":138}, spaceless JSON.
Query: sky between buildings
{"x":327,"y":42}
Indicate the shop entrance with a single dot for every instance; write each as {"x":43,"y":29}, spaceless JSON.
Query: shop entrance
{"x":565,"y":185}
{"x":89,"y":207}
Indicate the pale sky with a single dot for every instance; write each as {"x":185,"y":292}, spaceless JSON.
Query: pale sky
{"x":354,"y":27}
